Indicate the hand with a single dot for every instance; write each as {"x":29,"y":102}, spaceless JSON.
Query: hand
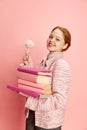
{"x":27,"y":60}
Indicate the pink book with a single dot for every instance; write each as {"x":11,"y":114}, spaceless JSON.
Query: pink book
{"x":24,"y":90}
{"x":36,"y":71}
{"x":34,"y":78}
{"x":41,"y":91}
{"x":35,"y":85}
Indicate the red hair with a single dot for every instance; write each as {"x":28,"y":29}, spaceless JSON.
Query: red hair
{"x":67,"y":36}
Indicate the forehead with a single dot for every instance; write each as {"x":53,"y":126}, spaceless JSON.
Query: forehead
{"x":57,"y":32}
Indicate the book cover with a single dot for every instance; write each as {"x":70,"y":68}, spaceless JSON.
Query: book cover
{"x":36,"y":71}
{"x":23,"y":90}
{"x":35,"y":85}
{"x":41,"y":91}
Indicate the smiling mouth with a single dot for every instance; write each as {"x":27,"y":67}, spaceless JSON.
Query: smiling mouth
{"x":50,"y":45}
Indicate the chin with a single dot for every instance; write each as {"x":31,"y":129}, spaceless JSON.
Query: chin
{"x":50,"y":49}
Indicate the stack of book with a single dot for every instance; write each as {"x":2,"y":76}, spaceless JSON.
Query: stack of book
{"x":33,"y":81}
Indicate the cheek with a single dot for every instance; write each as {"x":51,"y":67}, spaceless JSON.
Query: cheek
{"x":47,"y":41}
{"x":59,"y":46}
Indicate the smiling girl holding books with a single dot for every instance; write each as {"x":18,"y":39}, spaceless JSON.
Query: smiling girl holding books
{"x":48,"y":113}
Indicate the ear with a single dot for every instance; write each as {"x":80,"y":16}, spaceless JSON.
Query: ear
{"x":65,"y":46}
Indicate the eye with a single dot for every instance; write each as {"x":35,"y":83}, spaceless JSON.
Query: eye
{"x":57,"y":39}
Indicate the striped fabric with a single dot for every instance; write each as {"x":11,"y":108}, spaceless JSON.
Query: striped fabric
{"x":49,"y":112}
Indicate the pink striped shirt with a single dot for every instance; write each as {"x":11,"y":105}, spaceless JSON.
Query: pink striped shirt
{"x":49,"y":112}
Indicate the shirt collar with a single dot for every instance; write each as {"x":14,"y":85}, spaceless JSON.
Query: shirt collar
{"x":51,"y":58}
{"x":55,"y":55}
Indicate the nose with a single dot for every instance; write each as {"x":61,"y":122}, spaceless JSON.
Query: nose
{"x":51,"y":39}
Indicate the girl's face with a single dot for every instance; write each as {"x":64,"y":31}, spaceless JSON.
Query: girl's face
{"x":56,"y":42}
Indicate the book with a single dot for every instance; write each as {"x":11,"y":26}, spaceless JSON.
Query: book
{"x":41,"y":95}
{"x":34,"y":78}
{"x":22,"y":94}
{"x":23,"y":90}
{"x":36,"y":71}
{"x":35,"y":85}
{"x":41,"y":91}
{"x":44,"y":96}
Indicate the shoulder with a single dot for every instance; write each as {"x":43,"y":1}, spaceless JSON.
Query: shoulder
{"x":62,"y":68}
{"x":62,"y":62}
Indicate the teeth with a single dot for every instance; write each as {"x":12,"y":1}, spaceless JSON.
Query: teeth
{"x":50,"y":44}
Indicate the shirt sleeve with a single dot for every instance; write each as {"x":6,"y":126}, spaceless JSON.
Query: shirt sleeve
{"x":60,"y":84}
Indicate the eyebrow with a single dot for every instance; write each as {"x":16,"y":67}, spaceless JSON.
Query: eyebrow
{"x":56,"y":36}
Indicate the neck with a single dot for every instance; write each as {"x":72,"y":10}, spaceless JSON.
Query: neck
{"x":54,"y":52}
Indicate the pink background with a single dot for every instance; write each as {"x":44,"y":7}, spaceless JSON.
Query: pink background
{"x":29,"y":19}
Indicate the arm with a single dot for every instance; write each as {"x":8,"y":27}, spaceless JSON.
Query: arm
{"x":60,"y":84}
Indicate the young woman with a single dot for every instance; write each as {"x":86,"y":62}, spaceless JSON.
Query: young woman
{"x":48,"y":113}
